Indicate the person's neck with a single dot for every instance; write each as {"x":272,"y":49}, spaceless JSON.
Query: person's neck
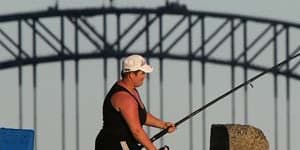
{"x":128,"y":84}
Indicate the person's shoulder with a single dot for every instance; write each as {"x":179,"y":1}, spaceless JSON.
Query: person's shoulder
{"x":121,"y":94}
{"x":123,"y":97}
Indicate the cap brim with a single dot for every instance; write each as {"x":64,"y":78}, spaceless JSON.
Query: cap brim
{"x":147,"y":68}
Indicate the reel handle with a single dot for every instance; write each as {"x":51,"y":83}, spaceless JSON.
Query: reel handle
{"x":166,"y":147}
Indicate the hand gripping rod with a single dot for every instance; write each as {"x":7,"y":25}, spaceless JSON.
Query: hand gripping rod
{"x":163,"y":132}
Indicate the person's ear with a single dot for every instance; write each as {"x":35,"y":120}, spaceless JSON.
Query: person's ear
{"x":130,"y":75}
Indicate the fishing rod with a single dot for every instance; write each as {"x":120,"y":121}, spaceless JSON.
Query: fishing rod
{"x":163,"y":132}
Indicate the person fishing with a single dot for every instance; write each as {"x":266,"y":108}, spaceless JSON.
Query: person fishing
{"x":124,"y":113}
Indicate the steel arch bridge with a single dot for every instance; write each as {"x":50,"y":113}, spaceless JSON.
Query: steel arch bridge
{"x":57,"y":65}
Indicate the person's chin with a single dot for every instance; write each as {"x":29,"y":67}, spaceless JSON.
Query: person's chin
{"x":139,"y":85}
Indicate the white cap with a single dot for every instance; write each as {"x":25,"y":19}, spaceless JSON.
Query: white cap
{"x":134,"y":63}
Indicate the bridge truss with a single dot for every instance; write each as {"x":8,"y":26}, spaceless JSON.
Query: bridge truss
{"x":197,"y":55}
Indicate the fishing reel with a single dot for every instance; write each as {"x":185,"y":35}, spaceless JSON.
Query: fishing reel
{"x":166,"y":147}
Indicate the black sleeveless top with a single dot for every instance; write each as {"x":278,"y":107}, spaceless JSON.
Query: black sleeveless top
{"x":113,"y":122}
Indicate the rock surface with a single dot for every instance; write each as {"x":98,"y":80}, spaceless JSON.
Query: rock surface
{"x":237,"y":137}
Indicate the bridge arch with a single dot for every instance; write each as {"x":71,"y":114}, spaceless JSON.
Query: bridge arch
{"x":190,"y":50}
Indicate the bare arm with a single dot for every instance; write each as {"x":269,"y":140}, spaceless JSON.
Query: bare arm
{"x":155,"y":122}
{"x":129,"y":110}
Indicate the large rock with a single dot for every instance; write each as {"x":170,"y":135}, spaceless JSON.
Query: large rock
{"x":237,"y":137}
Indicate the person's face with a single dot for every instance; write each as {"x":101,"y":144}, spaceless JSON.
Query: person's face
{"x":139,"y":78}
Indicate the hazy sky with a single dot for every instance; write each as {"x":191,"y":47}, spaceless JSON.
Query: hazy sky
{"x":287,"y":10}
